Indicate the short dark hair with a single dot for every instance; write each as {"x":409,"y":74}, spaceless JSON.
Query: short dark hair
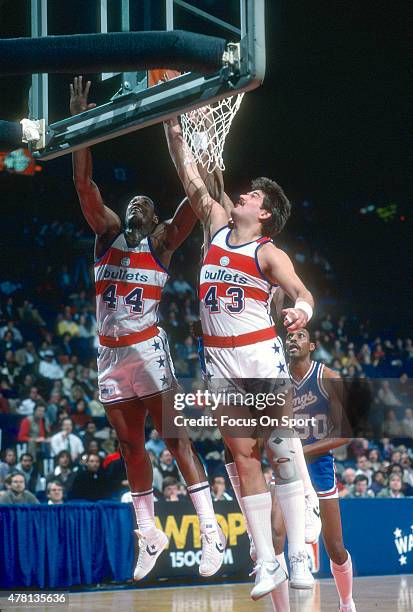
{"x":169,"y":481}
{"x":360,"y":478}
{"x":26,"y":455}
{"x":275,"y":202}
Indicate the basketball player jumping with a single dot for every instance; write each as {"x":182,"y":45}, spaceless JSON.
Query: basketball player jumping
{"x":318,"y":394}
{"x":238,"y":279}
{"x":135,"y":372}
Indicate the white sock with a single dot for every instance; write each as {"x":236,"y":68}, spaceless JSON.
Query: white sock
{"x":280,"y":597}
{"x":144,"y":510}
{"x":236,"y":485}
{"x":257,"y":510}
{"x":301,"y":465}
{"x":291,"y":499}
{"x":200,"y":494}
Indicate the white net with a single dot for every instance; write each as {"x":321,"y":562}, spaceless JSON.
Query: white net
{"x":205,"y":129}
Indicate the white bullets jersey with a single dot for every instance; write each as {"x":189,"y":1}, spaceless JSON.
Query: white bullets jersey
{"x":235,"y":296}
{"x":129,"y":282}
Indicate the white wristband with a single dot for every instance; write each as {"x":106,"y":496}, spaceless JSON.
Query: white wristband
{"x":303,"y":305}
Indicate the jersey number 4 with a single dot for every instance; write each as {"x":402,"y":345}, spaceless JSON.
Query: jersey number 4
{"x":235,"y":293}
{"x":133,"y":299}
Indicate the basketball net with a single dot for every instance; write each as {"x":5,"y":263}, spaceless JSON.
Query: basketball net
{"x":204,"y":132}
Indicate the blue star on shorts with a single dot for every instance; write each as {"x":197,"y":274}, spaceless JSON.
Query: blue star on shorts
{"x":164,"y":379}
{"x":281,"y":367}
{"x":161,"y":362}
{"x":156,"y":345}
{"x":276,"y":348}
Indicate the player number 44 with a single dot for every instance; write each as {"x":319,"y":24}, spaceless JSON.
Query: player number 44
{"x":133,"y":299}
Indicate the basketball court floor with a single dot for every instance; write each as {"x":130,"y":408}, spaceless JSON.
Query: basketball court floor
{"x":386,"y":593}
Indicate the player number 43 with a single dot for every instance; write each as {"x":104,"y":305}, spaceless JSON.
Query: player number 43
{"x":133,"y":299}
{"x":236,"y":294}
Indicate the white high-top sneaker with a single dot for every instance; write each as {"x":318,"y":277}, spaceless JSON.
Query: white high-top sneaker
{"x":268,"y":576}
{"x":213,"y":548}
{"x":151,"y":544}
{"x":300,"y":575}
{"x":312,"y":519}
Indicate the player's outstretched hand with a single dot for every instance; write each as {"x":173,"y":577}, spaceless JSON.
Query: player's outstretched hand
{"x":79,"y":95}
{"x":294,"y":318}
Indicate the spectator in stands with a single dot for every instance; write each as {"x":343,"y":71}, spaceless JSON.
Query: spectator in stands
{"x":349,"y":476}
{"x":11,"y":329}
{"x":95,"y":406}
{"x":7,"y":344}
{"x":69,"y":380}
{"x":110,"y":445}
{"x":66,"y":324}
{"x":170,"y":489}
{"x":406,"y":463}
{"x":67,"y":440}
{"x":27,"y":467}
{"x":29,"y":315}
{"x":10,"y":367}
{"x":187,"y":357}
{"x":360,"y":487}
{"x":181,"y":287}
{"x":374,"y":459}
{"x":16,"y":491}
{"x":54,"y":493}
{"x":391,"y":426}
{"x":49,"y":368}
{"x":8,"y":464}
{"x":53,"y":405}
{"x":35,"y":430}
{"x":166,"y":467}
{"x":394,"y":488}
{"x":27,"y":358}
{"x":91,"y":483}
{"x":386,"y":396}
{"x":379,"y":482}
{"x":321,"y":353}
{"x":88,"y":433}
{"x":63,"y":472}
{"x":80,"y":415}
{"x":155,"y":443}
{"x":363,"y":468}
{"x":28,"y":405}
{"x":218,"y":491}
{"x":115,"y":469}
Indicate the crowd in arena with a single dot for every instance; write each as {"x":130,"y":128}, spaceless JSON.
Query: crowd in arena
{"x":56,"y":443}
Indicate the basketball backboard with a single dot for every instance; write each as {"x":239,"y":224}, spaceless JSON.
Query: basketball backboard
{"x":134,"y":104}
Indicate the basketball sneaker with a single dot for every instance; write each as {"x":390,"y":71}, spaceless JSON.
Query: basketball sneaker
{"x":350,"y":607}
{"x":268,"y":576}
{"x":300,"y":575}
{"x":213,"y":548}
{"x":312,"y":519}
{"x":151,"y":544}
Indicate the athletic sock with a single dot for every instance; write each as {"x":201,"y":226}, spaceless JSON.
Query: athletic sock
{"x":301,"y":465}
{"x":257,"y":510}
{"x":290,"y":496}
{"x":236,"y":486}
{"x":343,"y":577}
{"x":280,"y":597}
{"x":144,"y":510}
{"x":200,"y":494}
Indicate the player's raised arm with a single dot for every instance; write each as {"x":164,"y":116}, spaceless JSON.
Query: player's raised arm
{"x":204,"y":206}
{"x":103,"y":221}
{"x":278,"y":268}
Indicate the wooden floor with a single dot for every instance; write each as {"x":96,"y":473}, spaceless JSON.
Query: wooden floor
{"x":384,"y":593}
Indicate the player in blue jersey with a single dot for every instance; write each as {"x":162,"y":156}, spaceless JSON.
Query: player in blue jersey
{"x":318,"y":395}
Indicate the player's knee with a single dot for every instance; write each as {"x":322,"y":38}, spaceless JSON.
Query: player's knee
{"x":281,"y":457}
{"x":132,"y":449}
{"x":336,"y":551}
{"x":179,"y":447}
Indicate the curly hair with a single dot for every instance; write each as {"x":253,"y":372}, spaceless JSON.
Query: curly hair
{"x":275,"y":202}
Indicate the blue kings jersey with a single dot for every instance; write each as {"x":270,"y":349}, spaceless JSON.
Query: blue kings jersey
{"x":310,"y":400}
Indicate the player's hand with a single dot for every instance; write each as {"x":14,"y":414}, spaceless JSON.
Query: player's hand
{"x":294,"y":318}
{"x":172,"y":127}
{"x":79,"y":95}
